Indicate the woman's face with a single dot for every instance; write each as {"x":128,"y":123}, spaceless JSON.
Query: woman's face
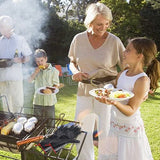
{"x":99,"y":25}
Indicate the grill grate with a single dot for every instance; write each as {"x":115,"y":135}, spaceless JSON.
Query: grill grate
{"x":8,"y":142}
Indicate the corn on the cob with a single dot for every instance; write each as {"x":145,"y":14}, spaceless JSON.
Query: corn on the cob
{"x":41,"y":67}
{"x":5,"y":130}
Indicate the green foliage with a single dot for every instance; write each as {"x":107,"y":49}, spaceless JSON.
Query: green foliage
{"x":158,"y":56}
{"x":59,"y":36}
{"x":126,"y":18}
{"x":133,"y":19}
{"x":150,"y":21}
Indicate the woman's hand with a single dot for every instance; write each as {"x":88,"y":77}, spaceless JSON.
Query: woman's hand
{"x":80,"y":76}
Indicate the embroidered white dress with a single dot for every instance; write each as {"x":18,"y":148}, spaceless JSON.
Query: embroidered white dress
{"x":127,"y":139}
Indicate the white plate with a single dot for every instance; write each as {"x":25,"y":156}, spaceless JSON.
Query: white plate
{"x":115,"y":92}
{"x":55,"y":91}
{"x":93,"y":92}
{"x":109,"y":86}
{"x":112,"y":95}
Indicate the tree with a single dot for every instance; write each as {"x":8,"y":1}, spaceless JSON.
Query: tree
{"x":126,"y":17}
{"x":70,"y":8}
{"x":150,"y":21}
{"x":59,"y":35}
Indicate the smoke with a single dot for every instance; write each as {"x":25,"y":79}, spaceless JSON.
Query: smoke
{"x":29,"y":18}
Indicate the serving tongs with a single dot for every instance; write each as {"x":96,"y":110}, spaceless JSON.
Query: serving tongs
{"x":97,"y":81}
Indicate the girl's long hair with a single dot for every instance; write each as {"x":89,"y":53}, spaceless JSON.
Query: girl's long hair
{"x":148,"y":48}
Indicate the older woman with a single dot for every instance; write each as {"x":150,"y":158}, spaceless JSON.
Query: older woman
{"x":94,"y":54}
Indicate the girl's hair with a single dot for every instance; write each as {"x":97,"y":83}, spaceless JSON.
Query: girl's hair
{"x":148,"y":48}
{"x":40,"y":53}
{"x":95,"y":9}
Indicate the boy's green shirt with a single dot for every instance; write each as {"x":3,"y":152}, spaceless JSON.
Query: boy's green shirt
{"x":46,"y":77}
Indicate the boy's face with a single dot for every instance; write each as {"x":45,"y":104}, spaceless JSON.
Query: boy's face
{"x":41,"y":61}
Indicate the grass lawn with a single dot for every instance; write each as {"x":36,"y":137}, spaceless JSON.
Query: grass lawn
{"x":150,"y":111}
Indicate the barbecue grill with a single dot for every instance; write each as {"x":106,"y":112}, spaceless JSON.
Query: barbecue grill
{"x":24,"y":141}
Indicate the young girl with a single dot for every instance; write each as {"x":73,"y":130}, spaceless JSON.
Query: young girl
{"x":127,"y":139}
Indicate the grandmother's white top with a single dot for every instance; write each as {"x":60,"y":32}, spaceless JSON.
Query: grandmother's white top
{"x":98,"y":62}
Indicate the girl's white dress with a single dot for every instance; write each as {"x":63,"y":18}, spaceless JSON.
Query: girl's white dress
{"x":127,"y":139}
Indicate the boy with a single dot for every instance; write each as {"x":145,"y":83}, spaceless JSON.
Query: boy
{"x":44,"y":75}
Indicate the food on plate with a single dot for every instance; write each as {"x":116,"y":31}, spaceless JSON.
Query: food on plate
{"x":114,"y":94}
{"x":22,"y":120}
{"x":33,"y":120}
{"x":51,"y":88}
{"x":6,"y":130}
{"x":41,"y":67}
{"x":102,"y":92}
{"x":29,"y":126}
{"x":17,"y":128}
{"x":120,"y":94}
{"x":48,"y":90}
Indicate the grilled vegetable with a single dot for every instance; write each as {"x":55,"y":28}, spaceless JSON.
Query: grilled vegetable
{"x":22,"y":120}
{"x":33,"y":120}
{"x":6,"y":130}
{"x":29,"y":126}
{"x":41,"y":67}
{"x":17,"y":128}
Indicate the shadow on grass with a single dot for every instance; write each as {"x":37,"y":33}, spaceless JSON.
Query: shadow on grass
{"x":34,"y":154}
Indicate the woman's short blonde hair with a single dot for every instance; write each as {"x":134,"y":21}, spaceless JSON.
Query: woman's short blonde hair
{"x":95,"y":9}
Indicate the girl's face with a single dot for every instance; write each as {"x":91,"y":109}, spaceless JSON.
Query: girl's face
{"x":41,"y":61}
{"x":130,"y":55}
{"x":99,"y":25}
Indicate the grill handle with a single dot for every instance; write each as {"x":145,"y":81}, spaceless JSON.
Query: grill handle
{"x":29,"y":140}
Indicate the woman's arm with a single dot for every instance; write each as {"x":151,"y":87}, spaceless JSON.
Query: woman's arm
{"x":141,"y":87}
{"x":77,"y":75}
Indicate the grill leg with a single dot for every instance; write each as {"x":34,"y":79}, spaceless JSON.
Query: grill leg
{"x":23,"y":156}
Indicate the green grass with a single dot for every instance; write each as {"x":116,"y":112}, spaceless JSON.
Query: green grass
{"x":150,"y":111}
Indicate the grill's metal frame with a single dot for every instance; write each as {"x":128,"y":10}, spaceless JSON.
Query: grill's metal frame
{"x":58,"y":156}
{"x":46,"y":131}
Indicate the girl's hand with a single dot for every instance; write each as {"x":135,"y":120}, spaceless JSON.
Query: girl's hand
{"x":105,"y":100}
{"x":80,"y":76}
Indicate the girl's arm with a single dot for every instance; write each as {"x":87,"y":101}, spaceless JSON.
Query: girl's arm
{"x":141,"y":87}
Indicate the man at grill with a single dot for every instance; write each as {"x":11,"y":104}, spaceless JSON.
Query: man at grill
{"x":14,"y":51}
